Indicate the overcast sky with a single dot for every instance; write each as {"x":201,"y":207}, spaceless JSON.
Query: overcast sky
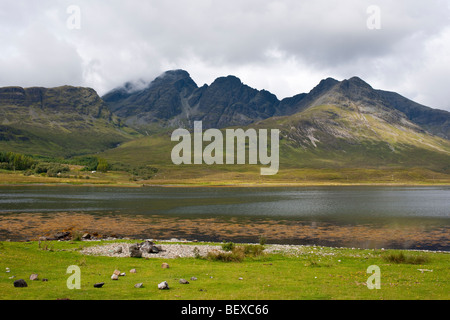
{"x":285,"y":47}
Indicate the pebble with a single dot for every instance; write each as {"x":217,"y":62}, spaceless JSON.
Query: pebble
{"x":133,"y":271}
{"x":193,"y":278}
{"x":99,"y":285}
{"x":423,"y":270}
{"x":33,"y":277}
{"x":183,"y":281}
{"x":165,"y":265}
{"x":114,"y":277}
{"x":139,"y":285}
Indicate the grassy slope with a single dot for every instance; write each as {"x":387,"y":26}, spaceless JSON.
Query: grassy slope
{"x":315,"y":274}
{"x":372,"y":151}
{"x":350,"y":147}
{"x":55,"y":142}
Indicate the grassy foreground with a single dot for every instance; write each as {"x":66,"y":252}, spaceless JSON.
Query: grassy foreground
{"x":313,"y":273}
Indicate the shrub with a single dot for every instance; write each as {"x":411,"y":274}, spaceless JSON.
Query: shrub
{"x":15,"y":161}
{"x":76,"y":236}
{"x":236,"y":253}
{"x":253,"y":250}
{"x":233,"y":256}
{"x":137,"y":172}
{"x":262,"y":240}
{"x":402,"y":257}
{"x":102,"y":165}
{"x":196,"y":252}
{"x":228,"y":246}
{"x":51,"y":169}
{"x":4,"y":165}
{"x":90,"y":163}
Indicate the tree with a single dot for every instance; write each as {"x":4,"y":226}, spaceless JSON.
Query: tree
{"x":102,"y":165}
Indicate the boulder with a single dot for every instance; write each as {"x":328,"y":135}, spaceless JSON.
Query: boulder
{"x":165,"y":265}
{"x":33,"y":277}
{"x":86,"y":236}
{"x":20,"y":283}
{"x":135,"y":252}
{"x":114,"y":277}
{"x":133,"y":271}
{"x":154,"y":249}
{"x":139,"y":285}
{"x":163,"y":286}
{"x":183,"y":281}
{"x":61,"y":235}
{"x":148,"y":247}
{"x":145,"y":246}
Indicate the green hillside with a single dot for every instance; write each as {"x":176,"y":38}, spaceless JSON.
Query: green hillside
{"x":340,"y":132}
{"x":62,"y":121}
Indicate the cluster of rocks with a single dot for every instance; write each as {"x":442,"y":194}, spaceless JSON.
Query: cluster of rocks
{"x":64,"y":235}
{"x":136,"y":250}
{"x":161,"y":286}
{"x":116,"y":274}
{"x":20,"y":283}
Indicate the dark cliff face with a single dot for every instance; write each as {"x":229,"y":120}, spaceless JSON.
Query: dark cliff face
{"x":435,"y":121}
{"x":229,"y":102}
{"x":174,"y":99}
{"x":65,"y":99}
{"x":159,"y":101}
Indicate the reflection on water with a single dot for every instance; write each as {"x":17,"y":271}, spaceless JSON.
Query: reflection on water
{"x":343,"y":206}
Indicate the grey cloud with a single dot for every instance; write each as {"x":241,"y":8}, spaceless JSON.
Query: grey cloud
{"x":123,"y":41}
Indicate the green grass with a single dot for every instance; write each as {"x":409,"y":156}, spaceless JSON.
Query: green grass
{"x":315,"y":273}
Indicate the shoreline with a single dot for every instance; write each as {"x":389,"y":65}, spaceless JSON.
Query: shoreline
{"x":190,"y":244}
{"x":225,"y":185}
{"x":32,"y":226}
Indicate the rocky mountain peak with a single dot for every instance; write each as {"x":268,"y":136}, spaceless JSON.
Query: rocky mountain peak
{"x":173,"y":75}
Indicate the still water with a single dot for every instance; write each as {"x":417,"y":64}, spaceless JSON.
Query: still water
{"x":372,"y":206}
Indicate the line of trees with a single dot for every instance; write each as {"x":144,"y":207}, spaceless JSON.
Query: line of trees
{"x":15,"y":161}
{"x":53,"y":167}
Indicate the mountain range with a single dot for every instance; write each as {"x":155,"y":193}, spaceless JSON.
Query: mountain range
{"x":337,"y":124}
{"x":174,"y":100}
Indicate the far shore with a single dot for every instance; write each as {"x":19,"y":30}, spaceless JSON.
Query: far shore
{"x":183,"y":184}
